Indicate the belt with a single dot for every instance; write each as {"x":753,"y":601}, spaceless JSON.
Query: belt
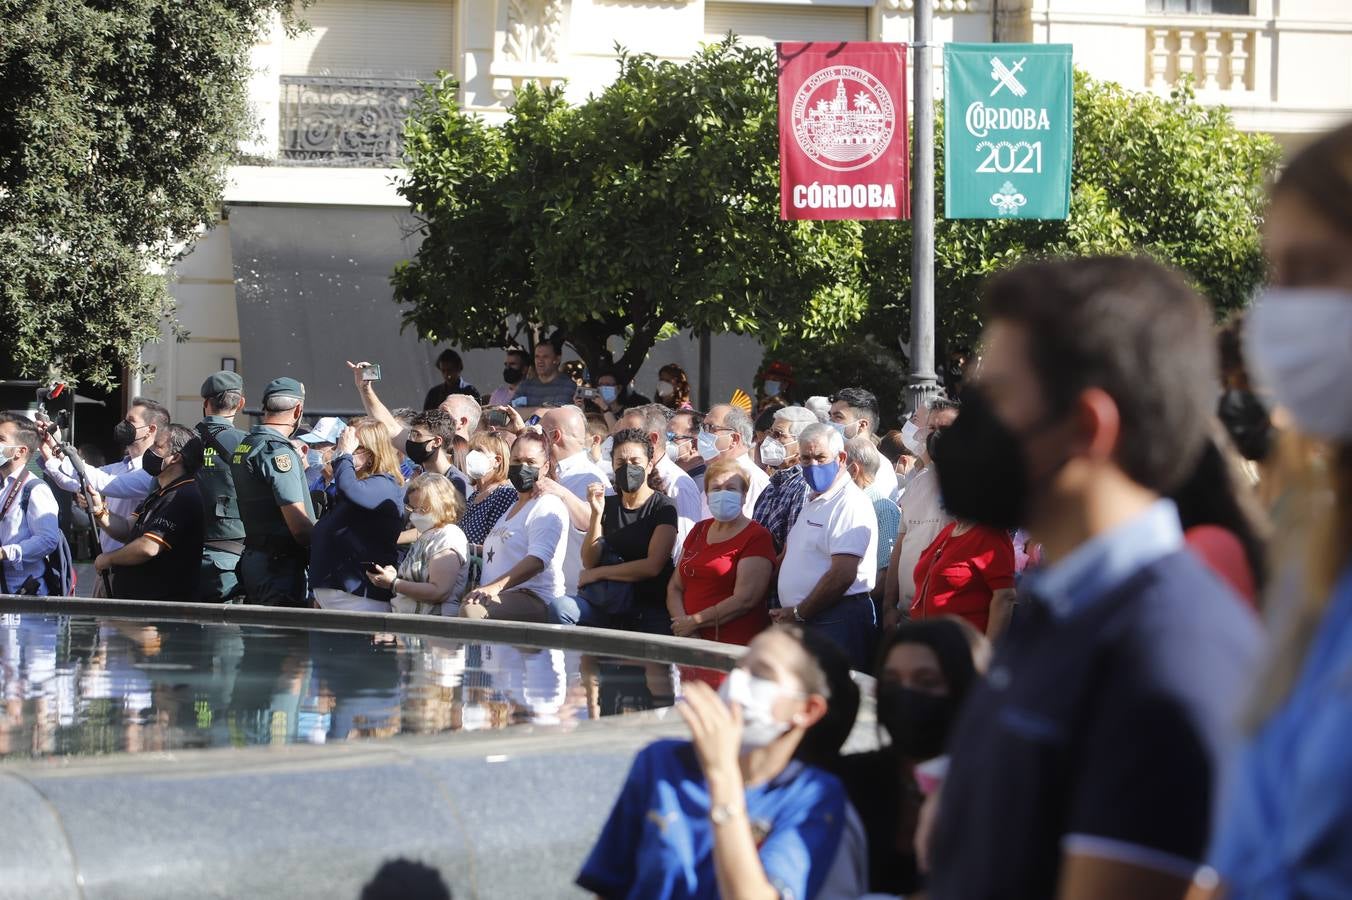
{"x":235,"y":547}
{"x":274,"y":544}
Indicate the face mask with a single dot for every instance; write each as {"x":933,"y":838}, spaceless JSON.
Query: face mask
{"x":772,"y":453}
{"x":708,"y":446}
{"x":819,"y":478}
{"x":512,"y":376}
{"x":7,"y":453}
{"x":522,"y":476}
{"x":422,"y":521}
{"x":313,"y":459}
{"x":607,"y":448}
{"x":725,"y":505}
{"x":918,"y":723}
{"x":1300,"y":341}
{"x":756,"y":697}
{"x":609,"y":392}
{"x":665,"y":389}
{"x":629,"y":478}
{"x":772,"y":388}
{"x":478,"y":464}
{"x":152,"y":463}
{"x":673,"y":448}
{"x":982,"y":467}
{"x":910,"y":436}
{"x":124,"y":433}
{"x":418,"y":452}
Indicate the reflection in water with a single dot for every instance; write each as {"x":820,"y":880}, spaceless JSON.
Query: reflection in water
{"x":77,"y":685}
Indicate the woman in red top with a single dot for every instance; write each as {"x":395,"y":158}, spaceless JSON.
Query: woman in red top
{"x":969,"y":572}
{"x":721,"y":582}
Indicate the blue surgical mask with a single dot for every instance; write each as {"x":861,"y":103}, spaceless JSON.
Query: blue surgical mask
{"x":840,"y":429}
{"x":725,"y":505}
{"x":673,"y":448}
{"x":609,"y":392}
{"x":708,"y":445}
{"x":314,"y":458}
{"x":821,"y":477}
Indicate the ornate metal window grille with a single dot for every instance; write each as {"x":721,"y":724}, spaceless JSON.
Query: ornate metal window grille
{"x":343,"y":120}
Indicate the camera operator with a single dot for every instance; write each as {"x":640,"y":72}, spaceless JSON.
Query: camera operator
{"x":28,"y":512}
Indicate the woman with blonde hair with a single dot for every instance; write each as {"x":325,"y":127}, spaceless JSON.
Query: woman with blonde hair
{"x":362,"y":527}
{"x":486,"y":466}
{"x":432,"y":576}
{"x":1286,"y":821}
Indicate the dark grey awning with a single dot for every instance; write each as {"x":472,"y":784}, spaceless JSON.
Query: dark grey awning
{"x":312,"y":286}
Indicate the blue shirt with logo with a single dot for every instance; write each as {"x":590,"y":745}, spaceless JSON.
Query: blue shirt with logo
{"x":659,"y":843}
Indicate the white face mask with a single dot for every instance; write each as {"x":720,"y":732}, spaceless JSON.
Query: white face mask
{"x":756,"y":697}
{"x":478,"y":464}
{"x":1300,"y":343}
{"x":707,"y":444}
{"x":7,"y":453}
{"x":607,"y":449}
{"x":422,"y":521}
{"x":910,"y":436}
{"x":665,"y":389}
{"x":772,"y":452}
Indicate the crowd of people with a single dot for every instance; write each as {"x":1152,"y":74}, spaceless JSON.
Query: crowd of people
{"x":1063,"y":579}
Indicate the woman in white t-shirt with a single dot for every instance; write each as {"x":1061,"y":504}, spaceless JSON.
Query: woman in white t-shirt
{"x":523,"y":554}
{"x":432,"y":576}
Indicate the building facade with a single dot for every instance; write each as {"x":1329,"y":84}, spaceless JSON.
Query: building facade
{"x":294,"y":280}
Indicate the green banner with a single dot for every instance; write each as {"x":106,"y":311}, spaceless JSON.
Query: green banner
{"x":1007,"y":131}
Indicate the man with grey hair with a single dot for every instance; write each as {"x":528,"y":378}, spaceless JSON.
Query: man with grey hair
{"x":654,"y":420}
{"x":830,"y":558}
{"x":863,"y":461}
{"x":726,"y":434}
{"x":781,"y":501}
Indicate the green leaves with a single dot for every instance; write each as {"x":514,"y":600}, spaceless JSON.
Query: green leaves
{"x":118,"y":122}
{"x":652,"y":206}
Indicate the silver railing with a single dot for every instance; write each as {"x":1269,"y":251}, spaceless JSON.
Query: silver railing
{"x":344,"y":121}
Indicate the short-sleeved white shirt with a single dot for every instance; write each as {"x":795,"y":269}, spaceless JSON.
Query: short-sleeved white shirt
{"x":922,"y":518}
{"x":681,"y":490}
{"x":577,"y":473}
{"x":538,"y":529}
{"x":840,"y":520}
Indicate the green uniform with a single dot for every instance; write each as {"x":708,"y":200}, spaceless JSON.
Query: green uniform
{"x":269,"y":474}
{"x":224,"y":538}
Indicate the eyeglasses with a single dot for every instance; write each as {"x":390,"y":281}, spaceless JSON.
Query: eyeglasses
{"x":714,"y":429}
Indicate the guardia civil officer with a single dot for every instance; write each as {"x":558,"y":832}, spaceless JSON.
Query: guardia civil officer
{"x":274,"y":502}
{"x":222,"y":400}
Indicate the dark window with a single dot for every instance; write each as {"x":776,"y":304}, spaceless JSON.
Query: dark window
{"x":1221,"y":7}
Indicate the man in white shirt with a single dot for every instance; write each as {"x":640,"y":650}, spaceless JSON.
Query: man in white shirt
{"x":726,"y":434}
{"x":829,"y":563}
{"x":28,"y":525}
{"x":680,"y":488}
{"x":138,"y":431}
{"x":854,"y":411}
{"x":565,"y":431}
{"x":922,"y":517}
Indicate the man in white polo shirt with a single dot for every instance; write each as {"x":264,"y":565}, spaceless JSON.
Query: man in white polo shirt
{"x":830,"y":555}
{"x":727,"y":434}
{"x":565,"y":431}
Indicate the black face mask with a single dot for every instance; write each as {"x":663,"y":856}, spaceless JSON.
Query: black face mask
{"x":512,"y":376}
{"x":523,"y":477}
{"x":1246,"y":419}
{"x":418,"y":451}
{"x":124,"y":433}
{"x":918,"y":723}
{"x":630,"y":478}
{"x":152,"y":463}
{"x":982,"y":467}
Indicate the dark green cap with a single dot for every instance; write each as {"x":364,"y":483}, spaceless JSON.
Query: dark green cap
{"x":222,"y":382}
{"x":284,"y":387}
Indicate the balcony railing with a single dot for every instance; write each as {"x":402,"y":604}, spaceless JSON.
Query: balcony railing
{"x":1219,"y":57}
{"x":344,"y":121}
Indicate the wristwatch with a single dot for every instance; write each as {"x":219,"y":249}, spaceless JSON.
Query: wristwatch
{"x":724,"y":813}
{"x":798,"y":617}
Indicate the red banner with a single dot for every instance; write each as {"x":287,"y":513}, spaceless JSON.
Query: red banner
{"x":842,"y":131}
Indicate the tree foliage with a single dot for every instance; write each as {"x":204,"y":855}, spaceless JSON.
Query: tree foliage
{"x":649,"y":207}
{"x":117,"y":120}
{"x":1162,"y":176}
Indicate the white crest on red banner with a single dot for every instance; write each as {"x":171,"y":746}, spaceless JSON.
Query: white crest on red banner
{"x":843,"y":118}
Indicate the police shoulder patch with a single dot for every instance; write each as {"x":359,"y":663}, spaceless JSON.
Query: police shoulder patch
{"x":282,"y":462}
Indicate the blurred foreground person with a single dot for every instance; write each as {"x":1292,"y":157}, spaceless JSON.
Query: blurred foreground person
{"x":1286,"y":824}
{"x":730,"y":813}
{"x":1084,"y":767}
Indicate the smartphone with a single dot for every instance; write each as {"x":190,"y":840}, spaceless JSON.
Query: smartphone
{"x":533,"y":420}
{"x":590,"y":393}
{"x":371,"y":567}
{"x":496,"y":418}
{"x":370,"y":373}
